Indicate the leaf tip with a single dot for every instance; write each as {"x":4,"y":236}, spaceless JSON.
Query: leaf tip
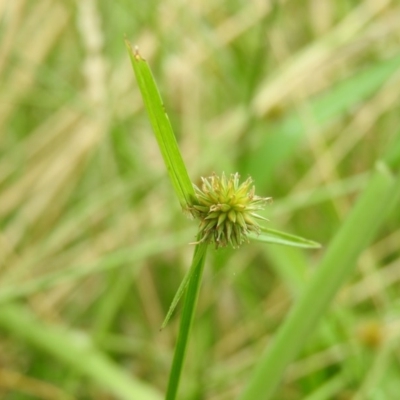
{"x":165,"y":322}
{"x":134,"y":51}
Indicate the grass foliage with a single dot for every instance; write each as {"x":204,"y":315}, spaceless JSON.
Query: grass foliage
{"x":302,"y":96}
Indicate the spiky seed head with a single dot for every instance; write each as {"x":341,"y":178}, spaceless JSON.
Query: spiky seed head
{"x":227,"y":210}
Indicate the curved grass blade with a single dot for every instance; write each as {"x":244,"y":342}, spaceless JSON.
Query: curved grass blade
{"x":273,"y":236}
{"x":373,"y":205}
{"x":325,"y":108}
{"x":186,"y":319}
{"x":80,"y":355}
{"x":162,"y":129}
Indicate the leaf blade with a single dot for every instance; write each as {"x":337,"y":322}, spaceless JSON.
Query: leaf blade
{"x":162,"y":129}
{"x":336,"y":266}
{"x":273,"y":236}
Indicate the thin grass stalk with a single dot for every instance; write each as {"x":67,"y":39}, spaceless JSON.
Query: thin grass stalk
{"x":188,"y":311}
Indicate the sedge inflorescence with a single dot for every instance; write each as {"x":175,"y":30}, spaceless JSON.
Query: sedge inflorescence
{"x":227,"y":210}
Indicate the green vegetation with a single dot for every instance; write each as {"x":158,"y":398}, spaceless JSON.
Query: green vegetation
{"x":302,"y":97}
{"x":225,"y":208}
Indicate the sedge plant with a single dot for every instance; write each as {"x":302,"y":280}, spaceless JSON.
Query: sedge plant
{"x":225,"y":207}
{"x":227,"y":214}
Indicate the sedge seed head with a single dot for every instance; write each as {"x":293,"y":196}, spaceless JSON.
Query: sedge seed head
{"x":227,"y":210}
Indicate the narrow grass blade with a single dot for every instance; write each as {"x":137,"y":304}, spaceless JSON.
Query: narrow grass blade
{"x":186,"y":319}
{"x":197,"y":258}
{"x":107,"y":262}
{"x":373,"y":205}
{"x":162,"y":129}
{"x":325,"y":108}
{"x":76,"y":351}
{"x":273,"y":236}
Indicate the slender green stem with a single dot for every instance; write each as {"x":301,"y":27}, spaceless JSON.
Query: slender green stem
{"x":186,"y":322}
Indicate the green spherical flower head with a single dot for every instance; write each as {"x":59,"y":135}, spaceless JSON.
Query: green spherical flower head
{"x":226,"y":210}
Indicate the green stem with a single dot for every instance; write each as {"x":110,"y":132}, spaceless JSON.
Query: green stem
{"x":186,"y":322}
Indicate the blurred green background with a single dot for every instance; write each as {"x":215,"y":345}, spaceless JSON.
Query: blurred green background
{"x":301,"y":95}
